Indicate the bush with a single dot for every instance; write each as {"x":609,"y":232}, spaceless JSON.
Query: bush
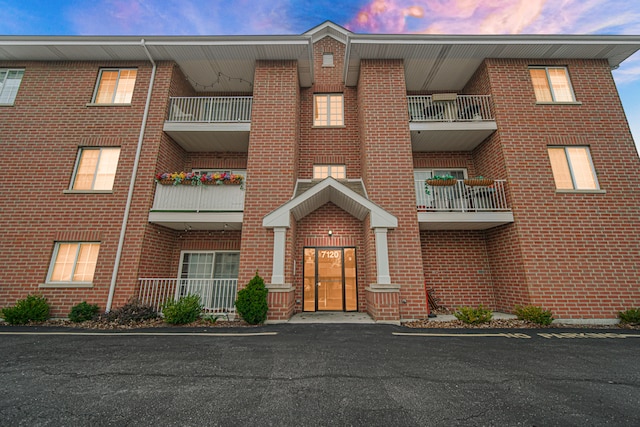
{"x":630,"y":316}
{"x":185,"y":310}
{"x":34,"y":308}
{"x":252,"y":301}
{"x":473,"y":316}
{"x":534,"y":314}
{"x":83,"y":312}
{"x":131,"y":312}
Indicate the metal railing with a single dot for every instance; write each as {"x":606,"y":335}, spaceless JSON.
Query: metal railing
{"x":460,"y":108}
{"x":216,"y":295}
{"x":210,"y":109}
{"x":198,"y":198}
{"x":461,"y":198}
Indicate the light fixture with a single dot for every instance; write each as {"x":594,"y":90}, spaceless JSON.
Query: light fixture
{"x":330,"y":233}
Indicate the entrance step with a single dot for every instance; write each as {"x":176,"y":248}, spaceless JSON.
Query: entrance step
{"x":331,"y":317}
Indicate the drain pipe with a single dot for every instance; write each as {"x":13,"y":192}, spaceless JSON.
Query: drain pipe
{"x":127,"y":209}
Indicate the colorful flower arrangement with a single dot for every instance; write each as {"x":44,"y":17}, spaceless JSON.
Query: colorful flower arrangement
{"x":192,"y":178}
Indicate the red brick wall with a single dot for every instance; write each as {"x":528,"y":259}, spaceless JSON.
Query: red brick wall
{"x":580,"y":252}
{"x":272,"y":163}
{"x":457,"y":267}
{"x":387,"y":165}
{"x":42,"y":133}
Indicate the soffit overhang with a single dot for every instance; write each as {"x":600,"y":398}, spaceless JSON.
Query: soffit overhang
{"x":330,"y":190}
{"x":431,"y":62}
{"x":446,"y":63}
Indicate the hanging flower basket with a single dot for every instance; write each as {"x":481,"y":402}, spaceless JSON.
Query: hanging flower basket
{"x":442,"y":182}
{"x":478,"y":182}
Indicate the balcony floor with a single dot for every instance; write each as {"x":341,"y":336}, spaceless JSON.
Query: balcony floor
{"x":463,"y":220}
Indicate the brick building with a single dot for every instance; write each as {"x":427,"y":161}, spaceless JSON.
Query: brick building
{"x":327,"y":148}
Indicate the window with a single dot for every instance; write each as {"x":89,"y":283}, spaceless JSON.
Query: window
{"x":334,"y":171}
{"x":572,"y":168}
{"x":96,"y":168}
{"x":9,"y":83}
{"x":115,"y":86}
{"x":327,"y":59}
{"x":210,"y":265}
{"x":551,"y":84}
{"x":328,"y":110}
{"x":73,"y":262}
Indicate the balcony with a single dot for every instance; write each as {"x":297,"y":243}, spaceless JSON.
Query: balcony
{"x":449,"y":122}
{"x":198,"y":207}
{"x":216,"y":295}
{"x":462,"y":207}
{"x":210,"y":123}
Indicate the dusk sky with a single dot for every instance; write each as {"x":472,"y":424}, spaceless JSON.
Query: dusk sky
{"x":247,"y":17}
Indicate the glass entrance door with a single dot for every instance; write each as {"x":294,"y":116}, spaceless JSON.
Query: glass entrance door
{"x":330,"y":279}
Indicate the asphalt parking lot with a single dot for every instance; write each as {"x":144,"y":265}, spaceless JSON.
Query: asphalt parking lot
{"x":319,"y":374}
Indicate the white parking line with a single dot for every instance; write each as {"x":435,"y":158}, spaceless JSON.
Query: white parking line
{"x":503,"y":335}
{"x":156,"y":334}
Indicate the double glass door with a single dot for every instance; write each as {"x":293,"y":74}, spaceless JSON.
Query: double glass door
{"x":330,"y":279}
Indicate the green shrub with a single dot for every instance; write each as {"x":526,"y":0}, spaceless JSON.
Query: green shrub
{"x":83,"y":311}
{"x":473,"y":316}
{"x":630,"y":316}
{"x":131,"y":312}
{"x":34,"y":308}
{"x":252,"y":301}
{"x":534,"y":314}
{"x":185,"y":310}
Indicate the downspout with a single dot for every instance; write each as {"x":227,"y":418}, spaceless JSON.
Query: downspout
{"x":127,"y":209}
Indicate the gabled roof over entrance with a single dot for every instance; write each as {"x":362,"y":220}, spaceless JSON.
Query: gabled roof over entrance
{"x":330,"y":190}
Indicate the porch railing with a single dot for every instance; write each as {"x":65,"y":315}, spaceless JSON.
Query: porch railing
{"x":198,"y":198}
{"x":210,"y":109}
{"x":216,"y":295}
{"x":461,"y":197}
{"x":456,"y":108}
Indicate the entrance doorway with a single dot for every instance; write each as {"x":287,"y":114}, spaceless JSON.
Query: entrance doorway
{"x":330,"y":279}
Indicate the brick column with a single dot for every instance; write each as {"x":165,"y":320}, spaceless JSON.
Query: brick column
{"x":387,"y":165}
{"x":271,"y":169}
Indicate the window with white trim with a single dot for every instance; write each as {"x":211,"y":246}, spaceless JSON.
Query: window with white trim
{"x":209,"y":265}
{"x":10,"y":80}
{"x":552,"y":84}
{"x":115,"y":86}
{"x":73,"y":262}
{"x":334,"y":171}
{"x":572,"y":168}
{"x":96,"y":168}
{"x":328,"y":109}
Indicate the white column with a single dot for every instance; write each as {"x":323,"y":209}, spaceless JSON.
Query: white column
{"x":382,"y":256}
{"x":279,"y":237}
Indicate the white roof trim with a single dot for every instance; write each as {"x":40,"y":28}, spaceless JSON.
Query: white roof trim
{"x":328,"y":190}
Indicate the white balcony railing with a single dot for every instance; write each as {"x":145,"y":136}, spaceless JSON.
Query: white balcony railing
{"x":216,"y":295}
{"x":198,"y":198}
{"x":210,"y":109}
{"x":456,"y":108}
{"x":461,"y":197}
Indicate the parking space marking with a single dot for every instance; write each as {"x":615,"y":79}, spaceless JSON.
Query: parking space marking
{"x":502,"y":335}
{"x":156,"y":334}
{"x":596,"y":335}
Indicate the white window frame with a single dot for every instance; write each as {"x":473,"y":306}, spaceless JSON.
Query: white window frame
{"x":331,"y":170}
{"x":54,"y":258}
{"x":94,"y":100}
{"x":10,"y":92}
{"x":215,"y":252}
{"x":95,"y":172}
{"x":550,"y":85}
{"x":571,"y":168}
{"x":325,"y":121}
